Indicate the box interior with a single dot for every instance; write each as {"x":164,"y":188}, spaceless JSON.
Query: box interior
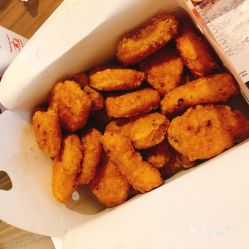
{"x":47,"y":59}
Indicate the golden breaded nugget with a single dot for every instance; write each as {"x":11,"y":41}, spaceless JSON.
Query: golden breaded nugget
{"x":72,"y":103}
{"x":47,"y":132}
{"x":148,"y":131}
{"x":147,"y":39}
{"x":119,"y":125}
{"x":173,"y":166}
{"x":235,"y":123}
{"x":206,"y":131}
{"x":71,"y":153}
{"x":176,"y":163}
{"x":115,"y":79}
{"x":141,"y":175}
{"x":109,"y":186}
{"x":184,"y":161}
{"x":132,"y":104}
{"x":196,"y":52}
{"x":159,"y":155}
{"x":54,"y":98}
{"x":163,"y":70}
{"x":211,"y":89}
{"x":63,"y":184}
{"x":92,"y":155}
{"x":66,"y":167}
{"x":82,"y":79}
{"x":96,"y":97}
{"x":144,"y":131}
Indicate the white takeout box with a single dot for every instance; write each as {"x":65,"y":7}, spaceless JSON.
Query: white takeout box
{"x":205,"y":207}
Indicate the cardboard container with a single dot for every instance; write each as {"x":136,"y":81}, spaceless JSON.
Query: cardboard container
{"x":10,"y":45}
{"x":182,"y":213}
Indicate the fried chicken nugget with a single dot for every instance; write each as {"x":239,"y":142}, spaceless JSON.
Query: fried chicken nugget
{"x":109,"y":186}
{"x":163,"y":70}
{"x":47,"y":132}
{"x":211,"y":89}
{"x":115,"y":79}
{"x":132,"y":104}
{"x":196,"y":52}
{"x":147,"y":39}
{"x":72,"y":104}
{"x":92,"y":155}
{"x":144,"y":131}
{"x":176,"y":163}
{"x":173,"y":166}
{"x":235,"y":123}
{"x":82,"y":79}
{"x":148,"y":131}
{"x":206,"y":131}
{"x":184,"y":161}
{"x":96,"y":97}
{"x":119,"y":125}
{"x":66,"y":167}
{"x":159,"y":155}
{"x":141,"y":175}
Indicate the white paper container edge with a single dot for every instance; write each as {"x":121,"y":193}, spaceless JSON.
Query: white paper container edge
{"x":205,"y":208}
{"x":53,"y":53}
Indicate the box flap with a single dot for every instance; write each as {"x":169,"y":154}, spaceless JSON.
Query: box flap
{"x":30,"y":204}
{"x":62,"y":48}
{"x":206,"y":208}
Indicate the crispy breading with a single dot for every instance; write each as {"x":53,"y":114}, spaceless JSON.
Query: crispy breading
{"x":144,"y":131}
{"x":96,"y":97}
{"x":47,"y":131}
{"x":72,"y":104}
{"x":71,"y":153}
{"x":66,"y":167}
{"x":92,"y":155}
{"x":158,"y":155}
{"x":196,"y":52}
{"x":82,"y":79}
{"x":140,"y":174}
{"x":63,"y":184}
{"x":163,"y":70}
{"x":236,"y":123}
{"x":54,"y":97}
{"x":148,"y":131}
{"x":147,"y":39}
{"x":115,"y":79}
{"x":206,"y":131}
{"x":109,"y":186}
{"x":173,"y":166}
{"x":211,"y":89}
{"x":184,"y":161}
{"x":176,"y":163}
{"x":132,"y":104}
{"x":120,"y":125}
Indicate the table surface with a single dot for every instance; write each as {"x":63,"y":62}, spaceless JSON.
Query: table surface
{"x":24,"y":19}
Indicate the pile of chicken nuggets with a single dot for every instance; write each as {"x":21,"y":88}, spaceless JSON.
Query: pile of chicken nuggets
{"x":124,"y":128}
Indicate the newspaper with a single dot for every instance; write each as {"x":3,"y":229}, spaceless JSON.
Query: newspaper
{"x":228,"y":22}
